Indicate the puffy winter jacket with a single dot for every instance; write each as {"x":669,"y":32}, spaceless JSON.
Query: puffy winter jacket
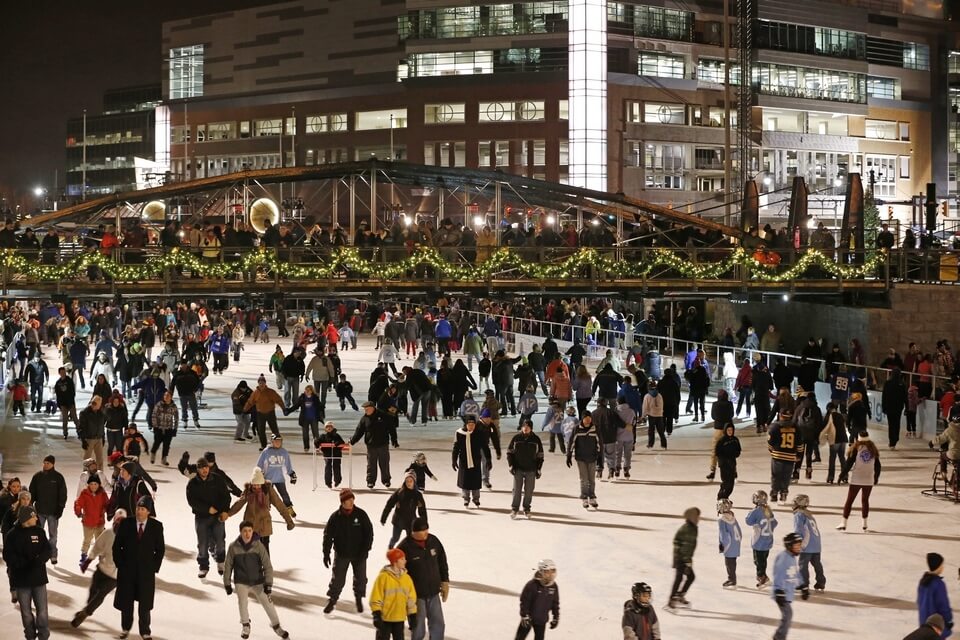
{"x":932,"y":598}
{"x":426,"y":565}
{"x":951,"y":435}
{"x":393,"y":595}
{"x":92,"y":507}
{"x":165,"y":417}
{"x":349,"y":533}
{"x":248,"y":564}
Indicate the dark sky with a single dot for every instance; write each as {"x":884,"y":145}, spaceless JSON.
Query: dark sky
{"x":58,"y":58}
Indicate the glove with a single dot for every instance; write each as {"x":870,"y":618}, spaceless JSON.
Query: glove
{"x":377,"y":619}
{"x":185,"y":456}
{"x":930,"y":444}
{"x":512,"y":471}
{"x":326,"y":561}
{"x":268,"y":589}
{"x":498,"y":456}
{"x":599,"y":472}
{"x":569,"y":463}
{"x":444,"y":591}
{"x":721,"y":547}
{"x":539,"y":473}
{"x":412,"y":621}
{"x":228,"y":589}
{"x":83,"y":444}
{"x":525,"y":622}
{"x":781,"y":597}
{"x":455,"y":468}
{"x":555,"y":622}
{"x":84,"y":565}
{"x":396,"y":445}
{"x":290,"y":526}
{"x":293,"y":478}
{"x":383,"y":521}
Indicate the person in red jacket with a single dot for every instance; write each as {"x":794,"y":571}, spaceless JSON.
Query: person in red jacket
{"x":91,"y":507}
{"x":332,"y":336}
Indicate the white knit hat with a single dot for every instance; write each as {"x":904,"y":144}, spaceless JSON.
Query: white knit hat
{"x":257,"y":477}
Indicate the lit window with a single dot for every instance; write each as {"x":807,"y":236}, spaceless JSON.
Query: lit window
{"x":881,"y":130}
{"x":656,"y":113}
{"x":887,"y":88}
{"x":186,"y":72}
{"x":326,"y":123}
{"x":661,"y":65}
{"x":268,"y":127}
{"x":444,"y":113}
{"x":382,"y":119}
{"x":529,"y":110}
{"x":450,"y":63}
{"x":564,"y":110}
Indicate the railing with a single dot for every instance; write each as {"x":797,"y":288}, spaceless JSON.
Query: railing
{"x":624,"y":265}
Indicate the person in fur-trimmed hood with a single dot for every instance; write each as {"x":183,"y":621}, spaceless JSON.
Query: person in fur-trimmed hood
{"x":258,"y":495}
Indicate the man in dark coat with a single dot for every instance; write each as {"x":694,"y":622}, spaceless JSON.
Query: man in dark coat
{"x":49,"y":491}
{"x":349,"y":534}
{"x":468,"y":447}
{"x":427,"y":566}
{"x":26,"y":551}
{"x":138,"y":553}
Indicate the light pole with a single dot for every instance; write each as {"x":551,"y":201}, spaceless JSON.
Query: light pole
{"x":83,"y":162}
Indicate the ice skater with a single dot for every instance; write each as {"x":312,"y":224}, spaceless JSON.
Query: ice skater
{"x":785,"y":580}
{"x":763,"y":521}
{"x":248,"y":566}
{"x":806,"y":525}
{"x":639,"y":620}
{"x":684,"y":545}
{"x":730,"y":536}
{"x":540,"y":602}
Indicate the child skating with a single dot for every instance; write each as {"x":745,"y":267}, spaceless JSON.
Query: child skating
{"x":729,"y":531}
{"x":763,"y":521}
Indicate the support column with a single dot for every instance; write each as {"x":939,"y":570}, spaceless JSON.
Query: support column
{"x":353,"y":207}
{"x":334,"y":210}
{"x":373,"y":200}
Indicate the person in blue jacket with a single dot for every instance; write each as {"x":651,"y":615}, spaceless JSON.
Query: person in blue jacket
{"x":806,"y":525}
{"x":219,"y":345}
{"x":152,"y":388}
{"x":785,"y":582}
{"x":763,"y":521}
{"x":444,"y":333}
{"x":932,"y":594}
{"x":311,"y":413}
{"x":730,"y":536}
{"x":274,"y":461}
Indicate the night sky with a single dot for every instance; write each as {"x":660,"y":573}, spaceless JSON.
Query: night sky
{"x":58,"y":57}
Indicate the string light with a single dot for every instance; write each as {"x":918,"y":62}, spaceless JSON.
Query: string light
{"x":347,"y":261}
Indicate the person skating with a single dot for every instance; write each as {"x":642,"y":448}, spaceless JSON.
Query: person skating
{"x":407,"y":505}
{"x":489,"y":428}
{"x":525,"y":460}
{"x":806,"y":525}
{"x":727,"y":451}
{"x":785,"y":579}
{"x":427,"y":567}
{"x":311,"y":413}
{"x":584,"y":445}
{"x":190,"y":470}
{"x":393,"y":599}
{"x":729,"y":533}
{"x":239,"y":399}
{"x":763,"y":521}
{"x":349,"y":534}
{"x":208,"y":497}
{"x":91,"y":425}
{"x":420,"y":470}
{"x":128,"y":488}
{"x":540,"y":602}
{"x":26,"y":551}
{"x":344,"y":390}
{"x":932,"y":595}
{"x":684,"y":545}
{"x":469,"y":447}
{"x":91,"y":507}
{"x":722,"y":414}
{"x":247,"y":565}
{"x":266,"y":401}
{"x":862,"y":468}
{"x":932,"y":629}
{"x":377,"y":433}
{"x":65,"y":392}
{"x":165,"y":420}
{"x":49,"y":491}
{"x":834,"y":435}
{"x":639,"y":620}
{"x":258,"y":495}
{"x":782,"y":442}
{"x":275,"y":460}
{"x":330,"y":444}
{"x":652,"y":412}
{"x":138,"y":551}
{"x":105,"y":575}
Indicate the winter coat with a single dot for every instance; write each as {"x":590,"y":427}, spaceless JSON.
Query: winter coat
{"x":407,"y":505}
{"x":728,"y":450}
{"x":786,"y":575}
{"x":932,"y":598}
{"x":127,"y":496}
{"x":165,"y":417}
{"x":393,"y":595}
{"x":309,"y":407}
{"x":608,"y":423}
{"x":525,"y":453}
{"x":722,"y":413}
{"x":348,"y":533}
{"x":92,"y":507}
{"x":639,"y":623}
{"x":103,"y":549}
{"x":924,"y":632}
{"x":247,"y":564}
{"x":49,"y":491}
{"x":468,"y":469}
{"x":90,"y":424}
{"x":669,"y":388}
{"x":862,"y":467}
{"x":257,"y":508}
{"x":321,"y":369}
{"x":584,"y":445}
{"x":65,"y":391}
{"x":950,"y":435}
{"x":330,"y":443}
{"x":684,"y":544}
{"x":265,"y":400}
{"x":375,"y":430}
{"x":203,"y":494}
{"x":26,"y":551}
{"x":239,"y":398}
{"x":538,"y":601}
{"x":426,"y":565}
{"x":138,"y":561}
{"x":806,"y":525}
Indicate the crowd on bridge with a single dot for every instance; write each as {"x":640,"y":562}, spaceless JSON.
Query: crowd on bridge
{"x":160,"y":358}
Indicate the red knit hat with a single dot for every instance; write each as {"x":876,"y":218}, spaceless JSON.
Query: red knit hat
{"x":395,"y":554}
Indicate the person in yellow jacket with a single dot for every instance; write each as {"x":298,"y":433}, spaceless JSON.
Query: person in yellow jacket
{"x":393,"y":598}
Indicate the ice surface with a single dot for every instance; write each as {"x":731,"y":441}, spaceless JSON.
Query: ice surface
{"x":871,"y":578}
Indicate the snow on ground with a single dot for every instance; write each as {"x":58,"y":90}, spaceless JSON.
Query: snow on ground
{"x":871,"y":578}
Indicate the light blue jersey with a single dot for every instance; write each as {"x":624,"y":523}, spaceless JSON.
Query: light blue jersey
{"x":763,"y":527}
{"x":730,"y":536}
{"x":806,"y":525}
{"x":274,"y":462}
{"x":786,"y":575}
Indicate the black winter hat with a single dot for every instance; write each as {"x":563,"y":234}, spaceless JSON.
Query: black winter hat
{"x":210,"y":456}
{"x":934,"y":561}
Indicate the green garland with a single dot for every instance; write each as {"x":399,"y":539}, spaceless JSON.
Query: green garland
{"x":348,"y":259}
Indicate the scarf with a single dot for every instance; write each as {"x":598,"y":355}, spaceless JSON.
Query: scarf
{"x":469,"y":446}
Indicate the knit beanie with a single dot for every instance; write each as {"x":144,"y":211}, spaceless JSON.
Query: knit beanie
{"x":395,"y":554}
{"x":934,"y":561}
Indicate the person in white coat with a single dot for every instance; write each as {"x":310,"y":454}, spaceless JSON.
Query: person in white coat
{"x":730,"y":373}
{"x":105,"y":576}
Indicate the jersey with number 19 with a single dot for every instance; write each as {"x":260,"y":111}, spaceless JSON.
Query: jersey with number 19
{"x":782,"y":441}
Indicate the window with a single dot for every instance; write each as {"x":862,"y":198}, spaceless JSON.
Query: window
{"x":452,"y":154}
{"x":811,"y":84}
{"x":904,"y":131}
{"x":616,"y":12}
{"x":268,"y":127}
{"x":564,"y":110}
{"x":309,"y":157}
{"x":382,"y":152}
{"x":916,"y":56}
{"x":656,"y":113}
{"x":486,"y":20}
{"x":382,"y":119}
{"x":290,"y":126}
{"x":245,"y":129}
{"x":534,"y":153}
{"x":451,"y":63}
{"x":221,"y":131}
{"x":661,"y":65}
{"x":953,"y":62}
{"x":908,"y":55}
{"x":668,"y":24}
{"x":326,"y":123}
{"x":904,"y":167}
{"x":186,"y":72}
{"x":818,"y":41}
{"x":501,"y":151}
{"x":709,"y":70}
{"x":458,"y":22}
{"x":709,"y":184}
{"x":881,"y":130}
{"x":664,"y":166}
{"x":443,"y":113}
{"x":564,"y":153}
{"x":529,"y":110}
{"x":332,"y":156}
{"x":429,"y":158}
{"x":886,"y":88}
{"x":709,"y":159}
{"x":884,"y":174}
{"x":180,"y":134}
{"x":483,"y":154}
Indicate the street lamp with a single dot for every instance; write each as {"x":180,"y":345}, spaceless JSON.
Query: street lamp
{"x":39,"y":191}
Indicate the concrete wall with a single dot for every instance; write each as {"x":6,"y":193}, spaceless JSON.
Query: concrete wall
{"x":917,"y":313}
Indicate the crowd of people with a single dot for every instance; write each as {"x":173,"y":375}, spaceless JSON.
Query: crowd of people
{"x":161,"y":357}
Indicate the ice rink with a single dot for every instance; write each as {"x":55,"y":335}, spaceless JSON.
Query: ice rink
{"x":871,"y":578}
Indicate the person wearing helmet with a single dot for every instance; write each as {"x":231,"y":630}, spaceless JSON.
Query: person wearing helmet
{"x":763,"y":521}
{"x":684,"y":544}
{"x":539,"y":600}
{"x":729,"y":530}
{"x":785,"y":582}
{"x":639,"y":618}
{"x":806,"y":525}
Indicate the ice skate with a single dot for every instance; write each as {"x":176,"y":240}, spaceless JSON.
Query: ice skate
{"x":526,"y":514}
{"x":280,"y":631}
{"x":513,"y":515}
{"x":245,"y":630}
{"x":729,"y":583}
{"x":586,"y":505}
